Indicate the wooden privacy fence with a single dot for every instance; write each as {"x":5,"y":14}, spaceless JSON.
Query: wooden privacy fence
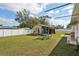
{"x":13,"y":32}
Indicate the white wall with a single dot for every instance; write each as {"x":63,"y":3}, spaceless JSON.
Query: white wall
{"x":12,"y":32}
{"x":75,"y":28}
{"x":63,"y":30}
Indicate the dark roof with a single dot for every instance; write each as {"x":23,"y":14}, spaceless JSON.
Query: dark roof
{"x":7,"y":27}
{"x":41,"y":25}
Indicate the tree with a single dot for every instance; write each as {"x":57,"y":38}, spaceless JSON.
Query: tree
{"x":34,"y":21}
{"x":44,"y":20}
{"x":59,"y":27}
{"x":22,"y":16}
{"x":25,"y":20}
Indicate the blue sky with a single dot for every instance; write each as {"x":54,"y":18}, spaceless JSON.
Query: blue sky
{"x":8,"y":12}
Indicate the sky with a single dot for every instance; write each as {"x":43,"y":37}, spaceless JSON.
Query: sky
{"x":8,"y":12}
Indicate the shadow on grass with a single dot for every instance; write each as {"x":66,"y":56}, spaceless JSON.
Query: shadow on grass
{"x":38,"y":37}
{"x":64,"y":49}
{"x":32,"y":35}
{"x":41,"y":38}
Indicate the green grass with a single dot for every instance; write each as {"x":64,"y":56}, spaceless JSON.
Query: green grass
{"x":28,"y":45}
{"x":64,"y":49}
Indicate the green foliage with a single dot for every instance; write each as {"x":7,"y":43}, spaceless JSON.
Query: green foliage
{"x":25,"y":20}
{"x":44,"y":20}
{"x":59,"y":27}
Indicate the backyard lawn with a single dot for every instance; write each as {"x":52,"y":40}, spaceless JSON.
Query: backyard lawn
{"x":28,"y":45}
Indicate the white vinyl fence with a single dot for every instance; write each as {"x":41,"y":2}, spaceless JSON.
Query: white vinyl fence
{"x":13,"y":32}
{"x":64,"y":30}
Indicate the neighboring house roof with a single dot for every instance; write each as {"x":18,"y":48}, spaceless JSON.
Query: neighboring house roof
{"x":75,"y":19}
{"x":40,"y":25}
{"x":7,"y":27}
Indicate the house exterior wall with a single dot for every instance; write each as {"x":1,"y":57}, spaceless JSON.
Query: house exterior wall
{"x":71,"y":39}
{"x":37,"y":30}
{"x":75,"y":29}
{"x":75,"y":21}
{"x":78,"y":30}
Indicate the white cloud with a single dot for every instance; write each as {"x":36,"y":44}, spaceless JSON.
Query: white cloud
{"x":68,"y":7}
{"x":35,"y":8}
{"x":7,"y":21}
{"x":63,"y":21}
{"x":50,"y":13}
{"x":57,"y":11}
{"x":32,"y":7}
{"x":44,"y":5}
{"x":2,"y":7}
{"x":60,"y":22}
{"x":33,"y":15}
{"x":70,"y":11}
